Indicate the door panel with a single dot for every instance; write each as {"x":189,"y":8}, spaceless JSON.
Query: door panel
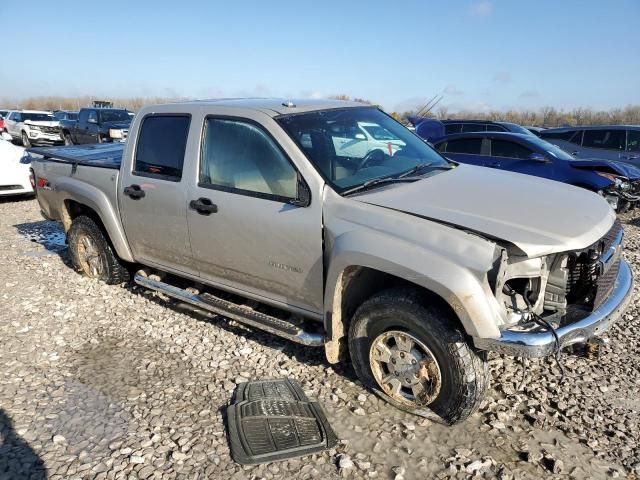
{"x":255,"y":240}
{"x":153,"y":197}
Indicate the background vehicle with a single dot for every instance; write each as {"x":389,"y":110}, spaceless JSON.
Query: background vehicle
{"x":535,"y":130}
{"x":618,"y":182}
{"x":432,"y":130}
{"x":65,"y":115}
{"x":33,"y":127}
{"x":96,"y":125}
{"x":14,"y":173}
{"x":362,"y":138}
{"x":613,"y":142}
{"x":411,"y":264}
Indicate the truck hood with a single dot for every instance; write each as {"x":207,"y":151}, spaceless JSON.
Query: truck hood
{"x":619,"y":168}
{"x":42,"y":123}
{"x":538,"y":216}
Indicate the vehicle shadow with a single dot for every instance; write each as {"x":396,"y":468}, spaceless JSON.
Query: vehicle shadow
{"x":22,"y":198}
{"x":313,"y":356}
{"x":46,"y":233}
{"x":17,"y":459}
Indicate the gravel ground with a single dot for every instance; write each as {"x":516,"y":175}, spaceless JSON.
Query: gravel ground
{"x":102,"y":381}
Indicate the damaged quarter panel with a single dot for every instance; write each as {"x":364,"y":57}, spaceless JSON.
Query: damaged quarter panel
{"x":447,"y":261}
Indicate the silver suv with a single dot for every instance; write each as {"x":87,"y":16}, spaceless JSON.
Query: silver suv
{"x":611,"y":142}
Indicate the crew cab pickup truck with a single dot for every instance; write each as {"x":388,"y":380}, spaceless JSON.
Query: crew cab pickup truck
{"x":96,"y":125}
{"x":412,"y":266}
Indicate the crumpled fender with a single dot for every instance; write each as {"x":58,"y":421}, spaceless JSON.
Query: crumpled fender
{"x":95,"y":199}
{"x":460,"y":286}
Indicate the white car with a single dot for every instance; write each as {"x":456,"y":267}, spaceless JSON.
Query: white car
{"x":33,"y":127}
{"x":357,"y":141}
{"x":14,"y":175}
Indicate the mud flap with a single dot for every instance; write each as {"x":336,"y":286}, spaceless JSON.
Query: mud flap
{"x":274,"y":420}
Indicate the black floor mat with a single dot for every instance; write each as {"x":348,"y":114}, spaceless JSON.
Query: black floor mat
{"x":274,"y":420}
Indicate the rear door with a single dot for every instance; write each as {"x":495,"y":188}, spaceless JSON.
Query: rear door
{"x":465,"y":150}
{"x":246,"y":233}
{"x":153,"y":195}
{"x":80,"y":128}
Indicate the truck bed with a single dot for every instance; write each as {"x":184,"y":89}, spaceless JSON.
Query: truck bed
{"x":104,"y":155}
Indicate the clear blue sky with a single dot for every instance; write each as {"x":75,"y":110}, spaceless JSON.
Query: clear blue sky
{"x":479,"y":54}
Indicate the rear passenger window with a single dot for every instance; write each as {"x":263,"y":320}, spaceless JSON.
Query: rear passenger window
{"x":576,"y":138}
{"x":608,"y":139}
{"x":503,"y":148}
{"x":240,"y":157}
{"x":161,"y":146}
{"x":471,"y":146}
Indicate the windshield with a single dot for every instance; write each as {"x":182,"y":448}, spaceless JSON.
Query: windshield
{"x":552,"y":149}
{"x":114,"y":116}
{"x":334,"y":142}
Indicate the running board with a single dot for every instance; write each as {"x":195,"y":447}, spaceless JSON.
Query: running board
{"x":245,"y":315}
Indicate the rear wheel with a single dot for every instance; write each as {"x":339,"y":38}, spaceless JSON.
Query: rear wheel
{"x":412,"y":354}
{"x":26,"y":143}
{"x":92,"y":254}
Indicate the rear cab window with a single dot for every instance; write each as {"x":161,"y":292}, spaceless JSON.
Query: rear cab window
{"x":162,"y":142}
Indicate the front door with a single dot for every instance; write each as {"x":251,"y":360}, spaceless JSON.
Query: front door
{"x":514,"y":157}
{"x":152,"y":194}
{"x":247,"y":233}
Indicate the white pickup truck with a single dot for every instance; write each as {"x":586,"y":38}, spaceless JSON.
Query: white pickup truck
{"x":410,"y":265}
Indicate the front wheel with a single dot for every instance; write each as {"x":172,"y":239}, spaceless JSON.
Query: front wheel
{"x":412,"y":354}
{"x":26,"y":143}
{"x":91,"y":252}
{"x":66,"y":136}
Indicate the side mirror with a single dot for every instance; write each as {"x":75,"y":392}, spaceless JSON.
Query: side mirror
{"x":538,"y":157}
{"x":360,"y":136}
{"x":92,"y":120}
{"x":304,"y":194}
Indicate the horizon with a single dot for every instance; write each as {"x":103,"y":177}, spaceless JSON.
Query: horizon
{"x":152,"y":49}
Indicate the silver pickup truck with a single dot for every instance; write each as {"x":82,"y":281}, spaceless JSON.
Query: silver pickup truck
{"x":286,"y":217}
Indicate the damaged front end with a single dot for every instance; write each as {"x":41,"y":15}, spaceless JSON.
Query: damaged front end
{"x":623,"y":194}
{"x":562,"y":299}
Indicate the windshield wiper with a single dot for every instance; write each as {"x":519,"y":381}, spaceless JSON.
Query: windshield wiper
{"x":378,"y":181}
{"x":415,"y":169}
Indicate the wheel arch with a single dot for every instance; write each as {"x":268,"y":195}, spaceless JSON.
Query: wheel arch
{"x":89,"y":201}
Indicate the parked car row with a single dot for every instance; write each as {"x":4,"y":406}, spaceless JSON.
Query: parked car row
{"x":608,"y":161}
{"x":89,"y":125}
{"x":332,"y":225}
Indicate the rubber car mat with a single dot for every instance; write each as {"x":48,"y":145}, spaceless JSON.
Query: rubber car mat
{"x":274,"y":420}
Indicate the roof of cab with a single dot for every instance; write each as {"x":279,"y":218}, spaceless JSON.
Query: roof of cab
{"x":275,"y":106}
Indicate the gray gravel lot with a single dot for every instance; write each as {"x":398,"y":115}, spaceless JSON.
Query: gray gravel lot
{"x":102,"y":381}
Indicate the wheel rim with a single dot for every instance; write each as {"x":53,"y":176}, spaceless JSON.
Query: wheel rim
{"x":405,"y":368}
{"x":25,"y":139}
{"x":89,"y":257}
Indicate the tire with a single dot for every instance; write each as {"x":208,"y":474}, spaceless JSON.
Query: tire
{"x":26,"y":143}
{"x":92,"y":254}
{"x":453,"y":390}
{"x":66,"y":136}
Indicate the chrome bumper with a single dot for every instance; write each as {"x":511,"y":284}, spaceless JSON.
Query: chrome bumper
{"x":540,"y":344}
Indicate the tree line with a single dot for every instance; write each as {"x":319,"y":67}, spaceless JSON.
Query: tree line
{"x":545,"y":116}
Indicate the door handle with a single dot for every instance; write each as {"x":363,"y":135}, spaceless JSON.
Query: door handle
{"x":134,"y":191}
{"x":575,"y":152}
{"x":203,"y":206}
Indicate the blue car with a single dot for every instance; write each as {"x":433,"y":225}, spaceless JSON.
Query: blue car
{"x":618,"y":182}
{"x":433,"y":130}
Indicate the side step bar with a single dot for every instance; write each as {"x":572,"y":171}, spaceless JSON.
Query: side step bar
{"x":245,"y":315}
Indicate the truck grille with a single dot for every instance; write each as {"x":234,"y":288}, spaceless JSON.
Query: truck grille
{"x":50,"y":129}
{"x":592,"y":272}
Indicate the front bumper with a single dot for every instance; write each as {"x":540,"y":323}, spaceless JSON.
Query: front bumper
{"x":541,"y":344}
{"x":44,"y":137}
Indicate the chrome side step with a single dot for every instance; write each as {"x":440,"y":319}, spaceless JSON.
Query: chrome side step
{"x":245,"y":315}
